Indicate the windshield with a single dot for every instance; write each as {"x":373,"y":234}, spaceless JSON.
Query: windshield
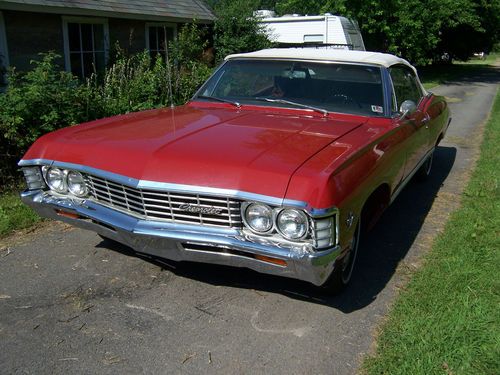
{"x":345,"y":88}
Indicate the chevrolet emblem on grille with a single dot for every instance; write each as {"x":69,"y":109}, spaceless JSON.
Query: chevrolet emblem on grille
{"x":200,"y":210}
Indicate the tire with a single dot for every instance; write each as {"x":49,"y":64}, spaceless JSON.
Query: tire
{"x":425,"y":169}
{"x":342,"y":272}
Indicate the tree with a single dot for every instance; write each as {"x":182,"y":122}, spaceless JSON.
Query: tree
{"x":236,"y":29}
{"x":420,"y":30}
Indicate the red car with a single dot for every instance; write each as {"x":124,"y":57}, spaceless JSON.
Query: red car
{"x":277,"y":164}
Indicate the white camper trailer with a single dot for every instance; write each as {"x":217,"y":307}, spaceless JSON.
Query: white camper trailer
{"x":326,"y":29}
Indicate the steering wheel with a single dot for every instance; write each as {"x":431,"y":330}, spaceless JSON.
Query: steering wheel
{"x":345,"y":99}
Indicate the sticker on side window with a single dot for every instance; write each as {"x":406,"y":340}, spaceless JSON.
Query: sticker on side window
{"x":377,"y":109}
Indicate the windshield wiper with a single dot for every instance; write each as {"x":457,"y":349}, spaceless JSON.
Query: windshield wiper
{"x":301,"y":105}
{"x":236,"y":104}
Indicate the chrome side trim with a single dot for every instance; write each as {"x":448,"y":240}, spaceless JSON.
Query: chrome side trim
{"x":388,"y":90}
{"x":29,"y":162}
{"x":181,"y":188}
{"x":409,"y":177}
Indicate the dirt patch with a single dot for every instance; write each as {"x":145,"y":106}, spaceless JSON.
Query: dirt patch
{"x":23,"y":236}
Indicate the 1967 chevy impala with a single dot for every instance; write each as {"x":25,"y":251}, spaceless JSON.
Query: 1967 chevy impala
{"x":277,"y":164}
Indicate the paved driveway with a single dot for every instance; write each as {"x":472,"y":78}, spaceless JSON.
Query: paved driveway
{"x":70,"y":304}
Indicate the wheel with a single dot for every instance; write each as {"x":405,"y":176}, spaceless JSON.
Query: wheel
{"x":424,"y":171}
{"x":342,"y":272}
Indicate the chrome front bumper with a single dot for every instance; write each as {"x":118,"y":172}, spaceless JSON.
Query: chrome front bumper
{"x":180,"y":242}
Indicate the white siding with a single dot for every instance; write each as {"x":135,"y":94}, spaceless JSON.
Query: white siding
{"x":320,"y":29}
{"x":294,"y":31}
{"x":335,"y":32}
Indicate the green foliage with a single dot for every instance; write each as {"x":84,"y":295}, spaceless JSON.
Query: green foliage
{"x":132,"y":83}
{"x":190,"y":44}
{"x":14,"y":214}
{"x":311,"y":7}
{"x":420,"y":30}
{"x":236,"y":30}
{"x":138,"y":82}
{"x":42,"y":100}
{"x":189,"y":79}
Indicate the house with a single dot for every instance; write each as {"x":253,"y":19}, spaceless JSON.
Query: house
{"x":83,"y":31}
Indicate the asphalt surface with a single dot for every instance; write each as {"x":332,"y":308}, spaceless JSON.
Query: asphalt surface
{"x":72,"y":303}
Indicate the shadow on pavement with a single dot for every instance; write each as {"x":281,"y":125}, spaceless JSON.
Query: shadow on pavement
{"x":461,"y":74}
{"x":382,"y":250}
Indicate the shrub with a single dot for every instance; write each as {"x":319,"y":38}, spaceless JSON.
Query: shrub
{"x":135,"y":83}
{"x":132,"y":83}
{"x":35,"y":103}
{"x":191,"y":42}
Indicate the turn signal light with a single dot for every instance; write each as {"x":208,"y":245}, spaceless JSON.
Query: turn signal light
{"x":279,"y":262}
{"x":68,"y":214}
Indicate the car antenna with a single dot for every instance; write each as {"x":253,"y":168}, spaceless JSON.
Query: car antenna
{"x":169,"y":73}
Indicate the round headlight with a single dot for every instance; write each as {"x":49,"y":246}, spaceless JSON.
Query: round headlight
{"x":76,"y":184}
{"x":55,"y":180}
{"x":259,"y":217}
{"x":292,"y":224}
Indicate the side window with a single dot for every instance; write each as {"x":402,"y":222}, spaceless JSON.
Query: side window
{"x":405,"y":85}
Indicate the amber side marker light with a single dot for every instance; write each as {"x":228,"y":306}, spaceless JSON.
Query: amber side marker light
{"x":68,"y":214}
{"x":279,"y":262}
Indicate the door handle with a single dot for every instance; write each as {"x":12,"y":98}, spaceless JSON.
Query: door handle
{"x":425,"y":121}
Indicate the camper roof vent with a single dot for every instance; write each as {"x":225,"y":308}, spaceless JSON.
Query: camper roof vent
{"x":264,"y":13}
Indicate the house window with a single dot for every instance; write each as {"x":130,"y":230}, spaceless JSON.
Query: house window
{"x":4,"y":55}
{"x":85,"y":45}
{"x":158,"y":37}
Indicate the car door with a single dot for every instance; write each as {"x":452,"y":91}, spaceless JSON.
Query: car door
{"x":414,"y":124}
{"x":438,"y":116}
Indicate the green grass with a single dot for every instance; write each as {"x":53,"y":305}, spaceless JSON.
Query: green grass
{"x":14,"y":214}
{"x":447,"y":320}
{"x":438,"y":74}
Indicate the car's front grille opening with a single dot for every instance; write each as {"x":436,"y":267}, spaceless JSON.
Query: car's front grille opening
{"x":224,"y":250}
{"x":215,"y":249}
{"x":189,"y":208}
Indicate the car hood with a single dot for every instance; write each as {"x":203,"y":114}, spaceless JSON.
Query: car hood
{"x":247,"y":150}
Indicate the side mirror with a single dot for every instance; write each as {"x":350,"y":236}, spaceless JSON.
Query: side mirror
{"x":407,"y":108}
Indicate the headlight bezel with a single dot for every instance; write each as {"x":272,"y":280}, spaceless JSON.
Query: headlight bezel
{"x":49,"y":182}
{"x":322,"y":227}
{"x":66,"y":192}
{"x":274,"y":231}
{"x":69,"y":184}
{"x":301,"y":213}
{"x":247,"y":223}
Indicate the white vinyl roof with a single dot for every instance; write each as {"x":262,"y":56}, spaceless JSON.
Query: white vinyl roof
{"x":324,"y":54}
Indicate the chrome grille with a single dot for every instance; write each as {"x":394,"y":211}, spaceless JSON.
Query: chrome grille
{"x":163,"y":205}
